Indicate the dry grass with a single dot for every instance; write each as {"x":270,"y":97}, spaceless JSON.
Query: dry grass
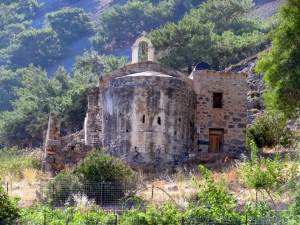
{"x":27,"y":187}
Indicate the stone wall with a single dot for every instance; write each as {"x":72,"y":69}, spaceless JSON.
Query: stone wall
{"x":231,"y":118}
{"x":149,"y":114}
{"x":148,"y":119}
{"x":62,"y":151}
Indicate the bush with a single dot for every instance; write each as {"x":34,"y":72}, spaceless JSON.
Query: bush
{"x":215,"y":204}
{"x":8,"y":207}
{"x":60,"y":216}
{"x":60,"y":189}
{"x":270,"y":130}
{"x":166,"y":214}
{"x":99,"y":176}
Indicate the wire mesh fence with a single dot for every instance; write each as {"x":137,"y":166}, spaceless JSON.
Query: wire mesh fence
{"x":121,"y":196}
{"x":112,"y":195}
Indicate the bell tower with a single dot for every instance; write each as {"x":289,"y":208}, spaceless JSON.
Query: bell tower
{"x":143,"y":45}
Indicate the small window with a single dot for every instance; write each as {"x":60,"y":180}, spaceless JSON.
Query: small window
{"x":159,"y":120}
{"x":217,"y":100}
{"x":144,"y":118}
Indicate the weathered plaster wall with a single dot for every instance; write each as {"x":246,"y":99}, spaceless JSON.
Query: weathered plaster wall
{"x":232,"y":117}
{"x":148,"y":114}
{"x":148,"y":119}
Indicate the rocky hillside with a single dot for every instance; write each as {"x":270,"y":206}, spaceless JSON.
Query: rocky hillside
{"x":265,"y":8}
{"x":256,"y":85}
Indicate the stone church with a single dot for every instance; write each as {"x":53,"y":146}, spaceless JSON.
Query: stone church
{"x":154,"y":116}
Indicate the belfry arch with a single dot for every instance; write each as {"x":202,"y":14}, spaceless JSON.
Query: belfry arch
{"x":135,"y":49}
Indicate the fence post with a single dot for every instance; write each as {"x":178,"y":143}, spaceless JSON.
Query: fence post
{"x":7,"y":187}
{"x":101,"y":193}
{"x":182,"y":221}
{"x":152,"y":192}
{"x":45,"y":219}
{"x":52,"y":196}
{"x":246,"y":220}
{"x":116,"y":219}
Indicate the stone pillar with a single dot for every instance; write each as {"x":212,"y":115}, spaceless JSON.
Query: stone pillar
{"x":52,"y":142}
{"x":135,"y":54}
{"x":151,"y":53}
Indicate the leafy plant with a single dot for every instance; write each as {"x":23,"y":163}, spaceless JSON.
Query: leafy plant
{"x":214,"y":202}
{"x":99,"y":176}
{"x":269,"y":175}
{"x":281,"y":64}
{"x":164,"y":215}
{"x":8,"y":207}
{"x":270,"y":130}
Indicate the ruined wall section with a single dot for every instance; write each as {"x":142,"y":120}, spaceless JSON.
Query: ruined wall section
{"x":148,"y":119}
{"x":62,"y":151}
{"x":232,"y":117}
{"x":93,"y":120}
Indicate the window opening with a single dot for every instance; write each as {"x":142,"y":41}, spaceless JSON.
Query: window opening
{"x":144,"y":118}
{"x":159,"y":120}
{"x":127,"y":130}
{"x":179,"y":119}
{"x":217,"y":100}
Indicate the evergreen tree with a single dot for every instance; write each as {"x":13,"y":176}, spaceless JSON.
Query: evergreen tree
{"x":281,"y":64}
{"x":219,"y":32}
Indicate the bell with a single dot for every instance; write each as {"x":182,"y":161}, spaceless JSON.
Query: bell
{"x":143,"y":47}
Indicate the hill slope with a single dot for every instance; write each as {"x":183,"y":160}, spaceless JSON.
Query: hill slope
{"x":266,"y":8}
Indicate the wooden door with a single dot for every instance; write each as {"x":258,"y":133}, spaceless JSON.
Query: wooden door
{"x":215,"y":141}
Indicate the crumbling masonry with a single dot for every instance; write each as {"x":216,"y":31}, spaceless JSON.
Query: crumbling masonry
{"x":156,"y":117}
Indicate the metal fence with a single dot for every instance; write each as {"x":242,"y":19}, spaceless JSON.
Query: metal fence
{"x":114,"y":219}
{"x":110,"y":195}
{"x":120,"y":196}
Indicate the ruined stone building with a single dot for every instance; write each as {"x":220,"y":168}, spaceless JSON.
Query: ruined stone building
{"x":154,"y":116}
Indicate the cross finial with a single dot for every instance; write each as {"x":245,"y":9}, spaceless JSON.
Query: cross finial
{"x":144,"y":33}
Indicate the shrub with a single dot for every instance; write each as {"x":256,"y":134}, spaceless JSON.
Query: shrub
{"x":99,"y":176}
{"x":69,"y":215}
{"x":8,"y":207}
{"x":166,"y":214}
{"x":270,"y":130}
{"x":214,"y":202}
{"x":60,"y":189}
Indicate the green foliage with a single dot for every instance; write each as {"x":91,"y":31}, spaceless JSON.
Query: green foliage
{"x":120,"y":25}
{"x":87,"y":176}
{"x":74,"y":216}
{"x":9,"y":80}
{"x":281,"y":64}
{"x":269,"y":175}
{"x":98,"y":166}
{"x":269,"y":130}
{"x":218,"y":32}
{"x":13,"y":161}
{"x":60,"y":188}
{"x":32,"y":107}
{"x":164,"y":215}
{"x":8,"y":207}
{"x":261,"y":173}
{"x":214,"y":202}
{"x":69,"y":24}
{"x":32,"y":96}
{"x":40,"y":47}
